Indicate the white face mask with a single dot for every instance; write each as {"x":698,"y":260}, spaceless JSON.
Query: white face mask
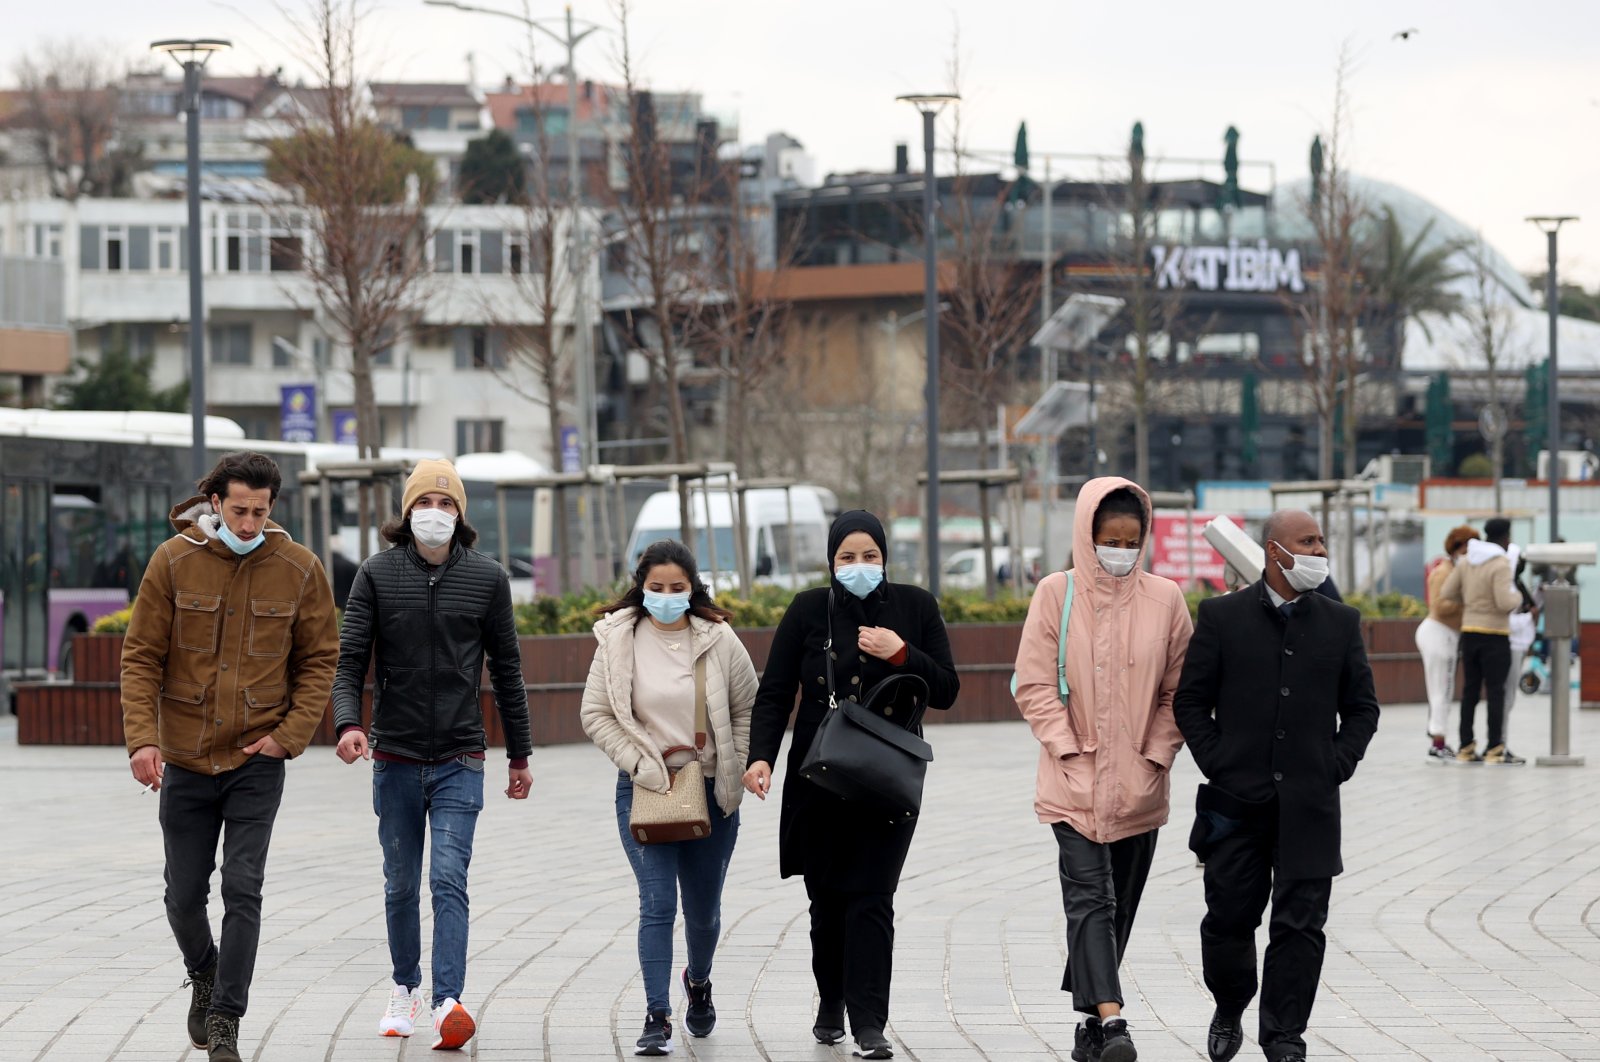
{"x":1308,"y":572}
{"x":432,"y":527}
{"x":1118,"y":562}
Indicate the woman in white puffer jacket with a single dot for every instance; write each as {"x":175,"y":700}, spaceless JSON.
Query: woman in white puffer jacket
{"x":639,"y":707}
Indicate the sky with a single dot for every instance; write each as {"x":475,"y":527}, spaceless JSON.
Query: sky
{"x":1491,"y":110}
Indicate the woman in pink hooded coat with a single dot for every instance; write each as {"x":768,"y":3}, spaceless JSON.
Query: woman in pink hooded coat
{"x":1105,"y":754}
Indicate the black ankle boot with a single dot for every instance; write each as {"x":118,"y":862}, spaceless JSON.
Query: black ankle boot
{"x":829,"y":1026}
{"x":199,"y":1004}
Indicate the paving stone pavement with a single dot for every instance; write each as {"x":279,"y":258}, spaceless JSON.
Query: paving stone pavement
{"x":1467,"y":926}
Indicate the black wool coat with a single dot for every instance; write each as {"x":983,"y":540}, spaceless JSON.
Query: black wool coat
{"x":1280,"y":708}
{"x":832,"y":842}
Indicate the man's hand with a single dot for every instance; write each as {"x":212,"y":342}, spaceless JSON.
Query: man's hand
{"x":758,"y":779}
{"x":146,"y":765}
{"x":880,"y":642}
{"x":353,"y":746}
{"x":267,"y":746}
{"x":521,"y":783}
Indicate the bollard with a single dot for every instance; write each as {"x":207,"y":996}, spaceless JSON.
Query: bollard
{"x":1560,"y":624}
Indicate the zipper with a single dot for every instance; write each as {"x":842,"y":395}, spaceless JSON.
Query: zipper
{"x":433,"y":663}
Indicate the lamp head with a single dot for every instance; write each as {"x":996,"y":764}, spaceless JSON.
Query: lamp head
{"x":196,"y":51}
{"x":1550,"y":222}
{"x":927,"y":102}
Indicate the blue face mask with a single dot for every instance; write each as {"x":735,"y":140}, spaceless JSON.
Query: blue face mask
{"x":859,"y":579}
{"x":666,"y":608}
{"x":234,"y":542}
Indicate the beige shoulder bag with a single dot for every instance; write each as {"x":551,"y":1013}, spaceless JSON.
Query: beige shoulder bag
{"x":681,"y":813}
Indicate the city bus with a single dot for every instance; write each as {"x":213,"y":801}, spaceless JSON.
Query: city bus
{"x":84,"y":498}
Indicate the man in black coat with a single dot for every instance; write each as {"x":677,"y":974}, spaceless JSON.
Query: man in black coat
{"x":1277,"y":706}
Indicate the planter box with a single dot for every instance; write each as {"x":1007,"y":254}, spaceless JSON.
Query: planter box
{"x":554,"y":669}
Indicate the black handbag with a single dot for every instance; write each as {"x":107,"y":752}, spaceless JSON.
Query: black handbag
{"x":871,"y":753}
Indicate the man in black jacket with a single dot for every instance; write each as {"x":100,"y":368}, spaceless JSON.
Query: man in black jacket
{"x":432,"y":608}
{"x":1277,"y":706}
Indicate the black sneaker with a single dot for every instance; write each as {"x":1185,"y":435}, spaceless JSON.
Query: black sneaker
{"x":871,"y":1043}
{"x":199,"y":1005}
{"x":1087,"y":1041}
{"x":1225,"y":1036}
{"x":222,"y":1038}
{"x":657,"y":1038}
{"x":1442,"y":753}
{"x":829,"y":1027}
{"x":699,"y":1017}
{"x":1116,"y":1045}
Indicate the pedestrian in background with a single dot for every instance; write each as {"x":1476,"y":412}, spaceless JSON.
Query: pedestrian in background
{"x":1277,"y":706}
{"x":850,"y":857}
{"x":1106,"y":747}
{"x":431,"y":609}
{"x":226,"y":668}
{"x":1438,"y":640}
{"x":659,"y":646}
{"x":1483,"y":586}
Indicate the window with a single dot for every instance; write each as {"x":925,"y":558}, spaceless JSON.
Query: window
{"x":480,"y":436}
{"x":516,"y":253}
{"x":116,"y":240}
{"x":166,"y":260}
{"x":444,"y":242}
{"x":527,"y":120}
{"x":47,"y":240}
{"x":284,"y":254}
{"x":425,"y":117}
{"x":282,"y":352}
{"x":479,"y":349}
{"x":467,"y":251}
{"x":230,"y":344}
{"x":235,"y":254}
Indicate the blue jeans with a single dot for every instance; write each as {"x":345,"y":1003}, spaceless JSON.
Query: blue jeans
{"x":698,"y":868}
{"x":409,"y":797}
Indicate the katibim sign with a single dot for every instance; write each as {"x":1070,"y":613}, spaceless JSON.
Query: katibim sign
{"x":1235,"y":267}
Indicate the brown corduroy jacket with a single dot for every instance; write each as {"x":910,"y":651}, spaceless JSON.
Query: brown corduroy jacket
{"x":223,"y":650}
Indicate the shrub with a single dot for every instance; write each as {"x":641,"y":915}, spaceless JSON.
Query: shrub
{"x":115,"y":623}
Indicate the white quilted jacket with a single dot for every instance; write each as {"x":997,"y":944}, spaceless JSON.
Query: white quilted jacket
{"x":607,"y":712}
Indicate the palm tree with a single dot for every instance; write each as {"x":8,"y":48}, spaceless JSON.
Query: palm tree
{"x":1408,"y":279}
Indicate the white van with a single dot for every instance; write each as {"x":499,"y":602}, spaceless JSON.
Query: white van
{"x":963,"y":570}
{"x":774,"y":558}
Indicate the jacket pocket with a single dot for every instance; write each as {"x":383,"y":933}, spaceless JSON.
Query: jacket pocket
{"x":182,"y":721}
{"x":262,"y":705}
{"x":197,"y":617}
{"x":271,"y":623}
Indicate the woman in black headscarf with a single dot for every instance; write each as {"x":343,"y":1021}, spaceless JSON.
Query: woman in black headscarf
{"x":851,"y":861}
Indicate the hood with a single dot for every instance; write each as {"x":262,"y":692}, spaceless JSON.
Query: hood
{"x":1090,"y":496}
{"x":1481,"y":552}
{"x":196,"y":520}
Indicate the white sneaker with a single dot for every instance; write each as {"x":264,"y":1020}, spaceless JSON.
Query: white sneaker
{"x":452,"y":1026}
{"x":401,"y":1018}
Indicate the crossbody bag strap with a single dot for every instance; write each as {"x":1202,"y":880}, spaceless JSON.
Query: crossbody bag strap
{"x":827,"y":651}
{"x":1061,"y":654}
{"x":700,"y":725}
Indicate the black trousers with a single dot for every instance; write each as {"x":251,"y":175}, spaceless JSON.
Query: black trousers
{"x":1239,"y":878}
{"x":852,"y":952}
{"x":240,"y":806}
{"x":1100,"y":889}
{"x":1485,"y":662}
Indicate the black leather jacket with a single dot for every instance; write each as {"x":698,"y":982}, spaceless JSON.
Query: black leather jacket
{"x":432,"y":627}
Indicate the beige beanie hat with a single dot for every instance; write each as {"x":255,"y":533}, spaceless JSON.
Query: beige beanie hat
{"x":433,"y":476}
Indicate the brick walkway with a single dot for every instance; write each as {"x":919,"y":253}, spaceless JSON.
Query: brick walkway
{"x":1467,"y":927}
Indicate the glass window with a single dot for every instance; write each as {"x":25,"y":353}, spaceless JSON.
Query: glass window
{"x":230,"y":344}
{"x":480,"y":436}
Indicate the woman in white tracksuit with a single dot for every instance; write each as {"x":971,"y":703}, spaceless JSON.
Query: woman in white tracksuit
{"x":1438,"y":638}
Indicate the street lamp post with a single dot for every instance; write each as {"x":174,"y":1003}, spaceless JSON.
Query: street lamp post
{"x":192,"y":55}
{"x":1550,"y":225}
{"x":929,"y":105}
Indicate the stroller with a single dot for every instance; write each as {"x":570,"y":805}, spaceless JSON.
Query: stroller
{"x":1535,"y":674}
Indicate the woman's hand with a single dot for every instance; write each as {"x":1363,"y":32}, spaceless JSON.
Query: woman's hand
{"x":880,"y":642}
{"x":758,"y":779}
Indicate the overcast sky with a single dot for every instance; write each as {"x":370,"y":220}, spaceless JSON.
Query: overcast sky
{"x":1491,"y":111}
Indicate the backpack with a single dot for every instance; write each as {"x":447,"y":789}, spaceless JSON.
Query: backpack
{"x":1061,"y":656}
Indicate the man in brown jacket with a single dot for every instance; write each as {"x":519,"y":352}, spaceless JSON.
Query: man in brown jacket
{"x":226,"y":672}
{"x":1482,"y":582}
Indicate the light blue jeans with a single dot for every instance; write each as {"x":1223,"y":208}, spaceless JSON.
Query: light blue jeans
{"x":409,"y":798}
{"x":699,"y":869}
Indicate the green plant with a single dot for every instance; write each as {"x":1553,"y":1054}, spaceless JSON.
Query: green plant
{"x":114,"y":623}
{"x":1477,"y":466}
{"x":1393,"y":605}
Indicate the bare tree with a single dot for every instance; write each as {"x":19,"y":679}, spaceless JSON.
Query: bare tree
{"x":1490,"y":329}
{"x":367,"y":196}
{"x":71,"y":105}
{"x":1331,"y":318}
{"x":992,"y":294}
